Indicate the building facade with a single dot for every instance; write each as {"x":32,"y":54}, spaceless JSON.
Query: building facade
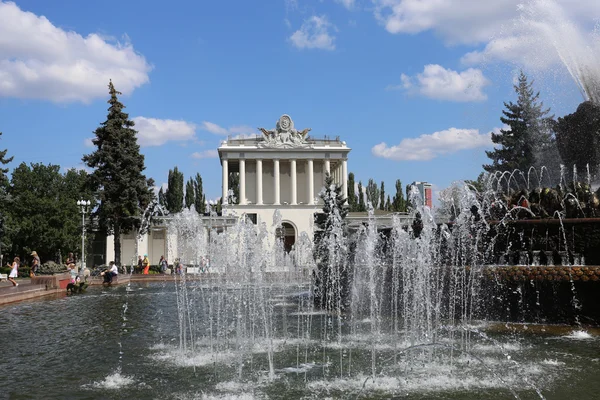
{"x":282,"y":169}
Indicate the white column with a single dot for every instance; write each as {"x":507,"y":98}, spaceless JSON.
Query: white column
{"x":242,"y":200}
{"x":276,"y":174}
{"x":345,"y":179}
{"x":327,"y":167}
{"x":311,"y":183}
{"x":225,"y":172}
{"x":293,"y":183}
{"x":259,"y":193}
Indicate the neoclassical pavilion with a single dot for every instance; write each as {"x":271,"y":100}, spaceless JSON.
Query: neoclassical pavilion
{"x":282,"y":169}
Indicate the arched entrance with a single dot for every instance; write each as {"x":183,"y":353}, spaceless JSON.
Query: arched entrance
{"x":287,"y":234}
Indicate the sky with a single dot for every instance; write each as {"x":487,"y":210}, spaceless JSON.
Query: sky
{"x":413,"y":86}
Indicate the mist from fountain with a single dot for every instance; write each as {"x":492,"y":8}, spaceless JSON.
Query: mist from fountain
{"x":579,"y":52}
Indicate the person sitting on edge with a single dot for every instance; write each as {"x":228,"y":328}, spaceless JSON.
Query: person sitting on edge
{"x":146,"y":263}
{"x":113,"y":270}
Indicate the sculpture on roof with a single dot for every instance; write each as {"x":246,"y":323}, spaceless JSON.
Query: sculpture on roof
{"x":284,"y":135}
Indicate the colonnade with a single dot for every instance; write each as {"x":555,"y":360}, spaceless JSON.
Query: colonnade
{"x":339,"y":175}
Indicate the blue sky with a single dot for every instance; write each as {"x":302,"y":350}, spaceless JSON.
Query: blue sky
{"x":413,"y":86}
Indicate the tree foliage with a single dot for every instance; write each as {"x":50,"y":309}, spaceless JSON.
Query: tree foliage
{"x":234,"y":188}
{"x":331,"y":276}
{"x":117,"y":179}
{"x":372,"y":193}
{"x":529,"y":131}
{"x":382,"y":196}
{"x":174,"y":193}
{"x":361,"y":198}
{"x":199,"y":197}
{"x":3,"y":194}
{"x":190,"y":193}
{"x":578,"y":137}
{"x":352,"y":199}
{"x":44,"y":215}
{"x":399,"y":203}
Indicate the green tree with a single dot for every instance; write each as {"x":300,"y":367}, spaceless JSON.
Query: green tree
{"x":44,"y":215}
{"x":174,"y":193}
{"x":372,"y":193}
{"x":352,"y":201}
{"x":3,"y":195}
{"x":361,"y":198}
{"x":578,"y":138}
{"x":382,"y":197}
{"x":117,"y":178}
{"x":162,"y":199}
{"x":528,"y":135}
{"x":388,"y":204}
{"x":190,"y":193}
{"x":331,"y":277}
{"x":399,"y":204}
{"x":200,"y":198}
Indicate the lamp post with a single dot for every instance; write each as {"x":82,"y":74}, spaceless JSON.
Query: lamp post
{"x":83,"y":205}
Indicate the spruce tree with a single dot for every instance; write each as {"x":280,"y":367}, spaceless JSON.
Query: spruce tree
{"x":118,"y":180}
{"x":528,"y":132}
{"x":331,"y":277}
{"x":200,"y":198}
{"x":352,"y":201}
{"x":174,"y":194}
{"x":190,"y":195}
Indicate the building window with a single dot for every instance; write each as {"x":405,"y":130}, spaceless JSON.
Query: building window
{"x":251,"y":217}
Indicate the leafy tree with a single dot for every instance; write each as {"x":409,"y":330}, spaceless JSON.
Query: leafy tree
{"x":162,"y":199}
{"x":3,"y":194}
{"x":234,"y":187}
{"x":372,"y":193}
{"x":399,"y":204}
{"x":528,"y":135}
{"x":578,"y":137}
{"x":388,"y":204}
{"x":174,"y":194}
{"x":331,"y":277}
{"x":200,"y":198}
{"x":44,"y":215}
{"x":352,"y":201}
{"x":361,"y":198}
{"x":382,"y":197}
{"x":190,"y":193}
{"x":118,"y":180}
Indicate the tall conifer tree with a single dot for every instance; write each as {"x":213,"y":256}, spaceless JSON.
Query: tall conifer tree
{"x":200,"y":198}
{"x":190,"y":194}
{"x":174,"y":194}
{"x":121,"y":188}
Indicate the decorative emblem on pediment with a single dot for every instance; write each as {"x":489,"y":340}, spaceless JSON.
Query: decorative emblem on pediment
{"x":284,"y":135}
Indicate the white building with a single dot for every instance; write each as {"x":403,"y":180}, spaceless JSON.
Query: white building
{"x":282,"y":169}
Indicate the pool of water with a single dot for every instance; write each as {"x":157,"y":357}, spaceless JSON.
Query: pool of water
{"x":126,"y":343}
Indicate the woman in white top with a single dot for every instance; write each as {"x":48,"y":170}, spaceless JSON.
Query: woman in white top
{"x":14,"y":272}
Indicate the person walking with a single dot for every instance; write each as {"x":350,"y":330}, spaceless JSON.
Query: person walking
{"x":14,"y":272}
{"x":146,"y":264}
{"x":35,"y":264}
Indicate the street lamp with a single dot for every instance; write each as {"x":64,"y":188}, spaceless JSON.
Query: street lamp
{"x":83,"y":204}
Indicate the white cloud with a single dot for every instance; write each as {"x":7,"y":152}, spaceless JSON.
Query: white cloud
{"x":437,"y":82}
{"x":205,"y":154}
{"x":428,"y":147}
{"x":156,"y":132}
{"x":314,"y":34}
{"x":41,"y":61}
{"x":535,"y":33}
{"x":236,"y":130}
{"x":349,"y":4}
{"x":88,"y":142}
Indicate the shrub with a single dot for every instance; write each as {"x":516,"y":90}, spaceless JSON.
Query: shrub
{"x":51,"y":268}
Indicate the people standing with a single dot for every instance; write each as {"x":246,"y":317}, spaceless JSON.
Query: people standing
{"x":163,"y":264}
{"x":14,"y":272}
{"x":35,"y":264}
{"x":140,"y":265}
{"x":146,"y":264}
